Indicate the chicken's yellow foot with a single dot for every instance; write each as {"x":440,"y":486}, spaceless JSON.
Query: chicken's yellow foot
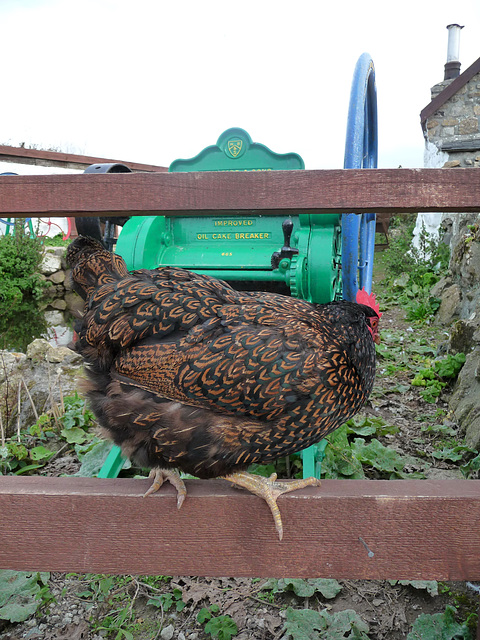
{"x":269,"y":490}
{"x":160,"y":476}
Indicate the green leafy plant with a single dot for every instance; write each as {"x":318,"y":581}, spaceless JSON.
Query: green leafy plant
{"x":22,"y":594}
{"x":76,"y":420}
{"x":439,"y":626}
{"x":435,"y":377}
{"x":348,"y":456}
{"x":166,"y":601}
{"x":21,"y":289}
{"x":307,"y":624}
{"x":328,"y":588}
{"x":20,"y":458}
{"x":221,"y":627}
{"x":430,"y":586}
{"x":69,"y":423}
{"x":412,"y":271}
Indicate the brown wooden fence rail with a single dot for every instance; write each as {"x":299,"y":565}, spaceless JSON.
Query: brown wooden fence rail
{"x":385,"y":529}
{"x":344,"y":529}
{"x":266,"y":192}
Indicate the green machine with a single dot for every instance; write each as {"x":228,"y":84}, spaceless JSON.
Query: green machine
{"x":299,"y":255}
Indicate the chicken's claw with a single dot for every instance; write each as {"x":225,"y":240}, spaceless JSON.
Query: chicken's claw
{"x":160,"y":476}
{"x":269,"y":489}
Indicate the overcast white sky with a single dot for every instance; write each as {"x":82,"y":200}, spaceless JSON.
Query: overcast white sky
{"x":151,"y":81}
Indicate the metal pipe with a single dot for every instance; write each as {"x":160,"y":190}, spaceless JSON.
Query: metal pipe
{"x":453,"y":49}
{"x":452,"y":66}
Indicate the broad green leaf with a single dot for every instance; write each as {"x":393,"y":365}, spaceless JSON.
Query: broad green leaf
{"x":431,"y":586}
{"x":222,"y":627}
{"x":18,"y":592}
{"x":75,"y":435}
{"x":304,"y":624}
{"x":339,"y":460}
{"x":472,"y":466}
{"x":306,"y":588}
{"x":40,"y":453}
{"x":93,"y":459}
{"x":439,"y":626}
{"x":377,"y":455}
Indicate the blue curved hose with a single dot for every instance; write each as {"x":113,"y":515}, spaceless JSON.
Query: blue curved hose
{"x":361,"y":152}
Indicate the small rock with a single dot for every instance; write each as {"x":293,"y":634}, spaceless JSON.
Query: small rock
{"x":74,"y":302}
{"x":50,"y":263}
{"x":40,"y":349}
{"x":54,"y":317}
{"x":57,"y":277}
{"x":59,"y":304}
{"x":167,"y":632}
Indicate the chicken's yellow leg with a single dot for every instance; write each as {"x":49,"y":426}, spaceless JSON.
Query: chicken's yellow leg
{"x":269,"y":490}
{"x":160,"y":476}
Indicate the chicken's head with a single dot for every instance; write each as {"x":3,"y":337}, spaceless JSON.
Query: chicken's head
{"x":368,"y":299}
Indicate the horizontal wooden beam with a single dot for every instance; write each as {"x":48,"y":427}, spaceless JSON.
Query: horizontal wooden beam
{"x":266,"y":192}
{"x":43,"y":158}
{"x":344,"y":529}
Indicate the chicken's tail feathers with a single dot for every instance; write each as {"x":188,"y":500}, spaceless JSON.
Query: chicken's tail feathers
{"x":92,"y":265}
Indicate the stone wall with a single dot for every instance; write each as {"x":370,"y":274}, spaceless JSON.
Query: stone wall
{"x":455,"y":127}
{"x":452,"y":139}
{"x":60,"y":299}
{"x":460,"y":313}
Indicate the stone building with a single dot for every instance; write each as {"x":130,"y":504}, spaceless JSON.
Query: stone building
{"x":451,"y":126}
{"x":451,"y":121}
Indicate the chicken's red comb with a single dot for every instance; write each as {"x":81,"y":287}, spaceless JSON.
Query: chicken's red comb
{"x":369,"y":300}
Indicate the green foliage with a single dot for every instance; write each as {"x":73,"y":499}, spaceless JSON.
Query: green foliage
{"x":450,"y":366}
{"x":307,"y":624}
{"x":472,"y":468}
{"x":348,"y":456}
{"x":379,"y":457}
{"x":21,"y":288}
{"x":430,"y":586}
{"x":92,"y":455}
{"x":339,"y":461}
{"x":433,"y":376}
{"x":27,"y":455}
{"x":221,"y":627}
{"x":166,"y":601}
{"x":411,"y":272}
{"x":22,"y":594}
{"x":439,"y":626}
{"x":56,"y":241}
{"x":206,"y":613}
{"x":18,"y":458}
{"x":76,"y":420}
{"x":328,"y":588}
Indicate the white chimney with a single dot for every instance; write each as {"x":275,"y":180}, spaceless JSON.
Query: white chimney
{"x":452,"y":67}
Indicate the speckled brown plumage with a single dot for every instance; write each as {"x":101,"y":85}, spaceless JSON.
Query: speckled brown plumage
{"x":185,"y":372}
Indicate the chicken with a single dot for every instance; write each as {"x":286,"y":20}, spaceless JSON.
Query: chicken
{"x":186,"y":373}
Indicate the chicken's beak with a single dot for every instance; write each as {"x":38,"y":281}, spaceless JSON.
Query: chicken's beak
{"x":377,"y":339}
